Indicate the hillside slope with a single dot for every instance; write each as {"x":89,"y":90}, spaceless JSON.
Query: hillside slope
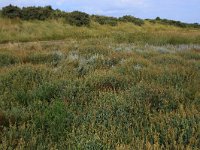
{"x":157,"y":34}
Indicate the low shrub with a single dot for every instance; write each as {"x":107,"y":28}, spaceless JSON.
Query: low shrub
{"x":51,"y":58}
{"x":48,"y":91}
{"x":78,"y":18}
{"x":175,"y":23}
{"x":155,"y":96}
{"x":3,"y":121}
{"x":103,"y":20}
{"x":20,"y":82}
{"x":11,"y":11}
{"x":55,"y":120}
{"x":40,"y":13}
{"x":58,"y":14}
{"x":7,"y":59}
{"x":136,"y":21}
{"x":167,"y":60}
{"x":107,"y":81}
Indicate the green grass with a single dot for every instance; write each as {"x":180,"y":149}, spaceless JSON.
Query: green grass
{"x":156,"y":34}
{"x":102,"y":87}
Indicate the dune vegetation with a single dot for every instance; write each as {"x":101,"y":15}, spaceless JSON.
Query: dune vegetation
{"x":15,"y":30}
{"x":100,"y":86}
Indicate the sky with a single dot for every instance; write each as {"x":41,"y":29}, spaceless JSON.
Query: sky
{"x":182,"y":10}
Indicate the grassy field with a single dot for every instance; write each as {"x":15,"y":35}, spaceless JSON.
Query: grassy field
{"x":156,"y":34}
{"x":102,"y":87}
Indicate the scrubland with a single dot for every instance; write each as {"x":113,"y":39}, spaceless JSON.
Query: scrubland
{"x":98,"y":87}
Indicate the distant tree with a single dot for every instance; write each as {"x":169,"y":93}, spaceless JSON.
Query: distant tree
{"x":11,"y":11}
{"x":78,"y":18}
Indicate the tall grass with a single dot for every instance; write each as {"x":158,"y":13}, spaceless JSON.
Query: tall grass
{"x":18,"y":30}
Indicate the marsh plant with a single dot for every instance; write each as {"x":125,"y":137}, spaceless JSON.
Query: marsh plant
{"x":103,"y":87}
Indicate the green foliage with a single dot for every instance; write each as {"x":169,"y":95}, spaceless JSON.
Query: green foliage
{"x":8,"y":59}
{"x":39,"y":13}
{"x":103,"y":20}
{"x":172,"y":22}
{"x":107,"y":82}
{"x":28,"y":13}
{"x":102,"y":88}
{"x":158,"y":99}
{"x":158,"y":18}
{"x":51,"y":58}
{"x":78,"y":18}
{"x":11,"y":11}
{"x":130,"y":98}
{"x":58,"y":14}
{"x":55,"y":28}
{"x":48,"y":91}
{"x":132,"y":19}
{"x":176,"y":23}
{"x":21,"y":82}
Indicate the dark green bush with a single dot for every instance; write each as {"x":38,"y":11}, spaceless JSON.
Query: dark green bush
{"x":176,"y":23}
{"x":172,"y":22}
{"x":78,"y":18}
{"x":40,"y":13}
{"x":11,"y":11}
{"x":158,"y":18}
{"x":58,"y":14}
{"x":103,"y":20}
{"x":132,"y":19}
{"x":194,"y":25}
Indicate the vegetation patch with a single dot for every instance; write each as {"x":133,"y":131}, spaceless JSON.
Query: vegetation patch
{"x":8,"y":59}
{"x":78,"y":19}
{"x":125,"y":84}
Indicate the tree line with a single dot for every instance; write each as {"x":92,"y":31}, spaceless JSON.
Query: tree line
{"x":78,"y":18}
